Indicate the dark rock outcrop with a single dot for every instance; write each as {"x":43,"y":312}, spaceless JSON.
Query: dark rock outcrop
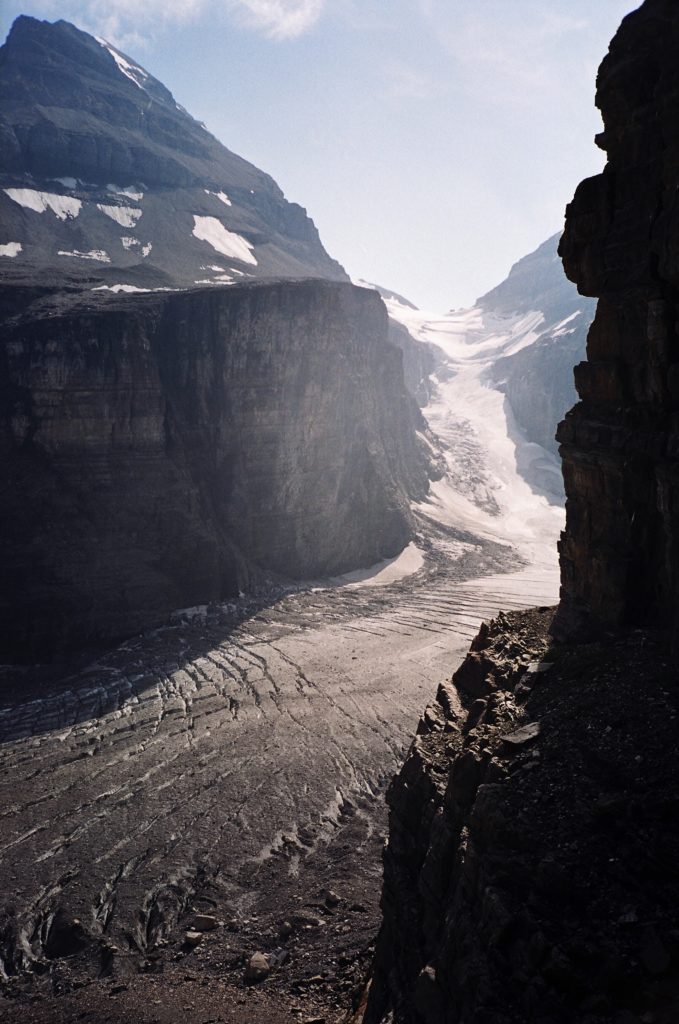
{"x":139,"y":192}
{"x":620,"y":444}
{"x":158,"y":450}
{"x":530,"y":873}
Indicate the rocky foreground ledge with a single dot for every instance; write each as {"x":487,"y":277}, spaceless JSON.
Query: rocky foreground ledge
{"x":530,"y":873}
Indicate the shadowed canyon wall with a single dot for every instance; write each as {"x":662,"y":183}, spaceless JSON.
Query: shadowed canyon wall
{"x":160,"y":449}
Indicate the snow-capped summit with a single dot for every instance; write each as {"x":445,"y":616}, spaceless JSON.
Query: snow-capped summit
{"x":104,"y":178}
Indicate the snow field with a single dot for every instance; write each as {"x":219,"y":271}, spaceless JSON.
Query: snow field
{"x":123,"y":215}
{"x":63,"y":207}
{"x":126,"y":67}
{"x":228,"y":243}
{"x":464,"y":407}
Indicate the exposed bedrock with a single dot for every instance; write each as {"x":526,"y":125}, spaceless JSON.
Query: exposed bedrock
{"x":538,"y":381}
{"x":161,"y":449}
{"x":530,"y":874}
{"x":620,"y":444}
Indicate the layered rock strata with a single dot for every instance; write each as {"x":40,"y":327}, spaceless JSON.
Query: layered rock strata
{"x":620,"y":444}
{"x":160,"y":449}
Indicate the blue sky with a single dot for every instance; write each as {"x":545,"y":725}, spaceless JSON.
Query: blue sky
{"x":434,"y":142}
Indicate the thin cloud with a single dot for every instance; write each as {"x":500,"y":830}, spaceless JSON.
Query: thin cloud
{"x":128,"y":23}
{"x":504,"y":60}
{"x":403,"y":82}
{"x":279,"y":19}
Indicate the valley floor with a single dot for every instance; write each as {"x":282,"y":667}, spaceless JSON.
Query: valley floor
{"x":234,"y":764}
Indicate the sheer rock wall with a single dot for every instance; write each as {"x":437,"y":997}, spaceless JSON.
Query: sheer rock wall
{"x":160,"y":449}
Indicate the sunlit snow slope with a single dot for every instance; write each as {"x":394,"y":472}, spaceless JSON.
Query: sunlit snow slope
{"x":489,"y":461}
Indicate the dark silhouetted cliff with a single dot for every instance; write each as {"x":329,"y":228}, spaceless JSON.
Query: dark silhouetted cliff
{"x":620,"y":444}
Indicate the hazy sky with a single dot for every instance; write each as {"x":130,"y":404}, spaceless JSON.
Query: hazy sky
{"x":434,"y":142}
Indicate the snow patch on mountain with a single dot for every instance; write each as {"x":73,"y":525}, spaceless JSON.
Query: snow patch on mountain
{"x":129,"y":191}
{"x":120,"y":288}
{"x":116,"y":288}
{"x":10,"y":249}
{"x":64,"y":207}
{"x":225,"y":279}
{"x":94,"y":254}
{"x":123,"y":215}
{"x":212,"y":231}
{"x":125,"y":66}
{"x":562,"y":328}
{"x":219,"y":195}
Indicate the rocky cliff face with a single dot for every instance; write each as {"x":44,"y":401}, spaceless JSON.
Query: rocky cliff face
{"x":106,"y":180}
{"x":161,"y":449}
{"x":620,"y":444}
{"x":530,"y":873}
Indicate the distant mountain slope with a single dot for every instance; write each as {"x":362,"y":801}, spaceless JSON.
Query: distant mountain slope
{"x":522,"y":339}
{"x":536,"y":281}
{"x":105,"y":178}
{"x":538,"y":378}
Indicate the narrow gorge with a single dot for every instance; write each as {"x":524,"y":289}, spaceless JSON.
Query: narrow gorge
{"x":292,"y":727}
{"x":530,"y":873}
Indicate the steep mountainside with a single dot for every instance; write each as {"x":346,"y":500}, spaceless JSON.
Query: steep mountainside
{"x":160,"y":449}
{"x":538,"y":378}
{"x":420,"y":358}
{"x":530,"y":873}
{"x":106,"y":180}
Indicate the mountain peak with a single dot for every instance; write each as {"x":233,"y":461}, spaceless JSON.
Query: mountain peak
{"x":102,"y":171}
{"x":47,"y":46}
